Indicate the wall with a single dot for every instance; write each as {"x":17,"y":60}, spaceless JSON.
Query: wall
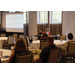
{"x":68,"y":22}
{"x":32,"y":27}
{"x":71,"y":22}
{"x":64,"y":23}
{"x":3,"y":23}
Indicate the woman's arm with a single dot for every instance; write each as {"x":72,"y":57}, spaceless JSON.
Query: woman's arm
{"x":49,"y":33}
{"x":42,"y":32}
{"x":11,"y":56}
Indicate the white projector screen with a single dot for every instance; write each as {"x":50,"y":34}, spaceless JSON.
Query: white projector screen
{"x":14,"y":22}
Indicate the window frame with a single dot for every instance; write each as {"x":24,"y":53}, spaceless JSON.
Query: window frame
{"x":38,"y":21}
{"x":51,"y":18}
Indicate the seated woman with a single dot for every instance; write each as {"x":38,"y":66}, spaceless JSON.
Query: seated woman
{"x":19,"y":48}
{"x":47,"y":31}
{"x":64,"y":48}
{"x":70,"y":38}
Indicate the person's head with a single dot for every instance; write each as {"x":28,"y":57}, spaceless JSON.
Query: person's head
{"x":20,"y":45}
{"x":50,"y":40}
{"x":47,"y":29}
{"x":44,"y":36}
{"x":70,"y":36}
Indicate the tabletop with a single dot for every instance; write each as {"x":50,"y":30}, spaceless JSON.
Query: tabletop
{"x":58,"y":43}
{"x":3,"y":38}
{"x":5,"y":53}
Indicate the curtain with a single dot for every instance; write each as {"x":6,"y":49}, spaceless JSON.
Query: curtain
{"x":56,"y":22}
{"x":42,"y":27}
{"x":51,"y":20}
{"x":56,"y":28}
{"x":26,"y":23}
{"x":42,"y":21}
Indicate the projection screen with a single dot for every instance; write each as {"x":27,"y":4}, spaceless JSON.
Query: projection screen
{"x":14,"y":22}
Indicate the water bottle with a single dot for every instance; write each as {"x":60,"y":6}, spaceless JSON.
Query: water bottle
{"x":60,"y":40}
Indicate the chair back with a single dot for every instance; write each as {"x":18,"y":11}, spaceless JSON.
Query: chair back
{"x":3,"y":35}
{"x":23,"y":58}
{"x":71,"y":47}
{"x":15,"y":36}
{"x":43,"y":44}
{"x":10,"y":40}
{"x":27,"y":39}
{"x":21,"y":36}
{"x":63,"y":37}
{"x":57,"y":33}
{"x":53,"y":55}
{"x":33,"y":37}
{"x":26,"y":45}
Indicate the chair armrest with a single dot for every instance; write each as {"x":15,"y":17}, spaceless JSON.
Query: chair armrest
{"x":64,"y":54}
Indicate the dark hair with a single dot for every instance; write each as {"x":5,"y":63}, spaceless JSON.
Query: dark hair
{"x":50,"y":38}
{"x":20,"y":45}
{"x":70,"y":36}
{"x":44,"y":36}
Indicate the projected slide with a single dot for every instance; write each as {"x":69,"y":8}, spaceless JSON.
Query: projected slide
{"x":14,"y":22}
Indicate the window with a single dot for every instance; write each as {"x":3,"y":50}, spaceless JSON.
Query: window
{"x":42,"y":17}
{"x":25,"y":16}
{"x":55,"y":17}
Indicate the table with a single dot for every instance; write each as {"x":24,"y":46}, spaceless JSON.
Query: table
{"x":8,"y":52}
{"x":59,"y":43}
{"x":5,"y":52}
{"x":36,"y":43}
{"x":39,"y":36}
{"x":1,"y":41}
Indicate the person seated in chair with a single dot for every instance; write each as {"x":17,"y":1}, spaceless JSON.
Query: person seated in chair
{"x":64,"y":48}
{"x":44,"y":54}
{"x":20,"y":47}
{"x":70,"y":38}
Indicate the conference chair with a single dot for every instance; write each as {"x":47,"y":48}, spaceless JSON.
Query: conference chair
{"x":26,"y":45}
{"x":43,"y":43}
{"x":63,"y":37}
{"x":53,"y":55}
{"x":23,"y":58}
{"x":21,"y":36}
{"x":15,"y":36}
{"x":9,"y":43}
{"x":70,"y":51}
{"x":33,"y":37}
{"x":57,"y":33}
{"x":27,"y":39}
{"x":3,"y":35}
